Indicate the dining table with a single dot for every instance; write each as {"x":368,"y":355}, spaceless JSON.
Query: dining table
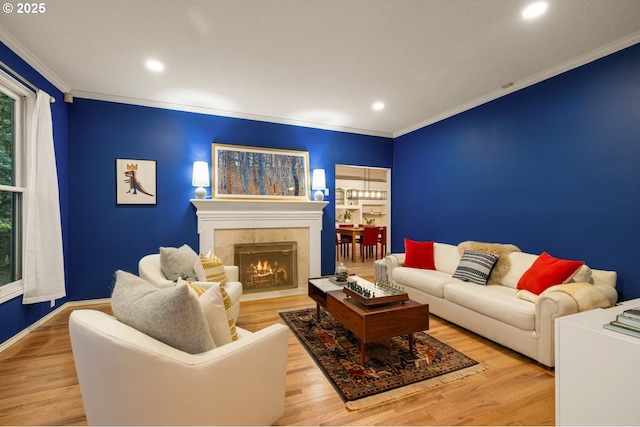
{"x":352,"y":231}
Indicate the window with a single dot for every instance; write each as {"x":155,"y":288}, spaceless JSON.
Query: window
{"x":12,"y":135}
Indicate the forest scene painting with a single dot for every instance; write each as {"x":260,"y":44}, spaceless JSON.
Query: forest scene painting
{"x":249,"y":172}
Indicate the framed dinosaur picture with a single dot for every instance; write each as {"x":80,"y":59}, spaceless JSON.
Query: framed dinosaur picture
{"x":135,"y":182}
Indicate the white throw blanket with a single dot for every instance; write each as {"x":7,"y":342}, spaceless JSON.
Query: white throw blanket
{"x":43,"y":257}
{"x":585,"y":295}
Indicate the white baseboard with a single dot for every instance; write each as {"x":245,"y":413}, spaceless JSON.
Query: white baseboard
{"x":17,"y":337}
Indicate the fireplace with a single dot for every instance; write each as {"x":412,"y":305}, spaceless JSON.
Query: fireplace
{"x":266,"y":266}
{"x":224,"y":223}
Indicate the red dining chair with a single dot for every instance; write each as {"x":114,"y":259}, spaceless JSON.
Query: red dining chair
{"x":369,"y":240}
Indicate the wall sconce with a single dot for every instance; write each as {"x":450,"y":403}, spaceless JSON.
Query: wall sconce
{"x":200,"y":179}
{"x":318,"y":183}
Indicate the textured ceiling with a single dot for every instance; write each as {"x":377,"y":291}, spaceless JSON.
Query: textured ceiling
{"x":311,"y":62}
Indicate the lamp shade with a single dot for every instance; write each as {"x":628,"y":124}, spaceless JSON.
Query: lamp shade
{"x":200,"y":178}
{"x":318,"y":183}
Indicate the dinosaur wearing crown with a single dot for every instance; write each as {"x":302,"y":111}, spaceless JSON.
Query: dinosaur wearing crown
{"x":132,"y":180}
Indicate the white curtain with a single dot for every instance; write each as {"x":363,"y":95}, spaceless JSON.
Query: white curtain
{"x":43,"y":268}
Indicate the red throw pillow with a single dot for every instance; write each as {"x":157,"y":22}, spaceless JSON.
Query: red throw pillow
{"x":419,"y":254}
{"x":547,"y":271}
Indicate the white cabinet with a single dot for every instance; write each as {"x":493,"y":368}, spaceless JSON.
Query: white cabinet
{"x":597,"y":370}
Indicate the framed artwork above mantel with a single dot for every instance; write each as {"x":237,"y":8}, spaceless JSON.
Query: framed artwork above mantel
{"x":241,"y":172}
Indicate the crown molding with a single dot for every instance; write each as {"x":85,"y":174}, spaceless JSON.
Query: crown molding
{"x":224,"y":113}
{"x":34,"y":62}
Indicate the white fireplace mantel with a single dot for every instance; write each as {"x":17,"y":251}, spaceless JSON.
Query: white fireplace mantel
{"x":215,"y":214}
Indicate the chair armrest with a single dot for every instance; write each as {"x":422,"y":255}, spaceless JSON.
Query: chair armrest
{"x":150,"y":270}
{"x":232,"y":272}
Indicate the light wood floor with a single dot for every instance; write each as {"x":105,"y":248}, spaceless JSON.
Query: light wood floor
{"x":38,"y":384}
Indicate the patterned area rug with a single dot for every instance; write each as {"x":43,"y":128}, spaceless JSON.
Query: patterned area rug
{"x":390,"y":371}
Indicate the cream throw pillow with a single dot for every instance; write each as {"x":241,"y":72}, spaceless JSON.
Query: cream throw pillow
{"x":209,"y":268}
{"x":216,"y":306}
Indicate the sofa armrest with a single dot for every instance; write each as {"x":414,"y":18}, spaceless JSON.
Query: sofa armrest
{"x":549,"y":306}
{"x":392,"y":261}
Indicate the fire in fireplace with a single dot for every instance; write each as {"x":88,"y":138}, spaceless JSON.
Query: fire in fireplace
{"x":266,"y":266}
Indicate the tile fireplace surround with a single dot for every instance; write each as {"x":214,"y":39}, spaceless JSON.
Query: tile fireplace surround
{"x":221,"y":223}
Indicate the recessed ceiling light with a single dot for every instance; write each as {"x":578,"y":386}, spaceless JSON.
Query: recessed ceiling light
{"x":534,"y":10}
{"x":378,"y":106}
{"x":154,"y":65}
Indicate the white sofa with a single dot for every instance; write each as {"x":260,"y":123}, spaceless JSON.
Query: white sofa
{"x":129,"y":378}
{"x":149,"y":269}
{"x":495,"y":311}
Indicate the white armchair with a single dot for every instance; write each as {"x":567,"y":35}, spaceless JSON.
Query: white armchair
{"x":149,"y":269}
{"x":128,"y":378}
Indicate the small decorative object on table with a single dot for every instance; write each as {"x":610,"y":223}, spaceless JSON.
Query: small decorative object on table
{"x":380,"y":271}
{"x":341,"y":275}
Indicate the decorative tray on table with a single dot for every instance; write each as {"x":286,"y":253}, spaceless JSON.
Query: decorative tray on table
{"x":373,"y":294}
{"x":336,"y":281}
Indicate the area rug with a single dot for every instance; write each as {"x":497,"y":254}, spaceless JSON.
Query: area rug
{"x":390,"y":371}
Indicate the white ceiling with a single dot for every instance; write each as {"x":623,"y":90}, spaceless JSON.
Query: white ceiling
{"x":318,"y":63}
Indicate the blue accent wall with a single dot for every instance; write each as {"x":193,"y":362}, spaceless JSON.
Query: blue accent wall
{"x":14,"y":317}
{"x":554,"y":167}
{"x":105,"y":237}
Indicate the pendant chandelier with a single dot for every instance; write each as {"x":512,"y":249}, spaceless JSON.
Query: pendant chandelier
{"x":367,"y":193}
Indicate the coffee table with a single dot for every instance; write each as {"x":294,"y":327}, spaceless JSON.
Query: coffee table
{"x":369,"y":324}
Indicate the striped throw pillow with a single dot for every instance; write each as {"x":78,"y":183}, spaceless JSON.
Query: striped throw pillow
{"x":216,"y":305}
{"x":475,"y":267}
{"x":209,"y":268}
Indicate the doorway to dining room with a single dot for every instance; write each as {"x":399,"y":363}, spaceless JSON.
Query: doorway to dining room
{"x":363,"y":200}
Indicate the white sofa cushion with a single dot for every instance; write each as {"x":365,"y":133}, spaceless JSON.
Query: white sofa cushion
{"x":171,"y":315}
{"x":495,"y":301}
{"x":430,"y":281}
{"x":446,"y":257}
{"x":520,"y":262}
